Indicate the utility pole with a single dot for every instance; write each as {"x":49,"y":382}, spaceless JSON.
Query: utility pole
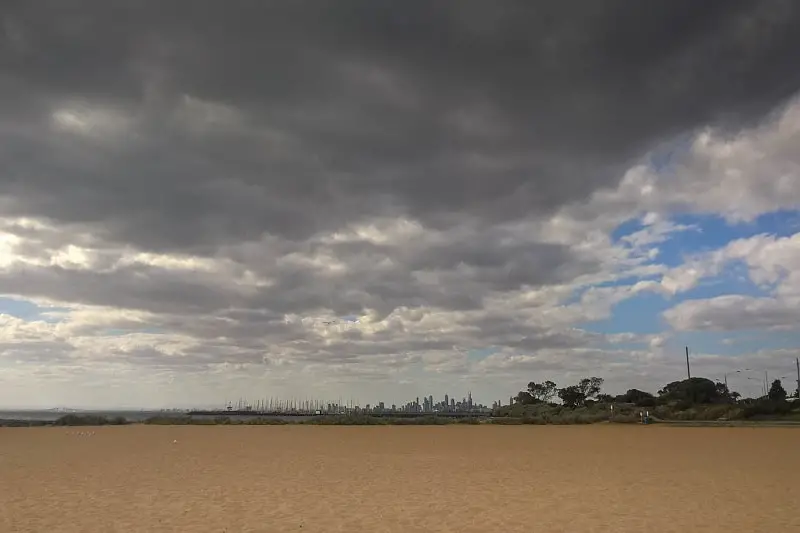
{"x":797,"y":362}
{"x":688,"y":368}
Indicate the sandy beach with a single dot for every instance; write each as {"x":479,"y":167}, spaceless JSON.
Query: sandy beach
{"x":399,"y":479}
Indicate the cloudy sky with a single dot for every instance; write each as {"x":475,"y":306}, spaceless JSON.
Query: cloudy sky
{"x":381,"y":199}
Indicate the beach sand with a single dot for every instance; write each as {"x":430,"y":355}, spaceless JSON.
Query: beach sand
{"x":403,"y":479}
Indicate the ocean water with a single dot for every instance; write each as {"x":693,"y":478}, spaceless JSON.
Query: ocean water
{"x":131,"y":416}
{"x":48,"y":415}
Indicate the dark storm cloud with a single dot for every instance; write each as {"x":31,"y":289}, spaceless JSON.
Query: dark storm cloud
{"x":455,"y":274}
{"x":135,"y":287}
{"x":444,"y":110}
{"x":460,"y":271}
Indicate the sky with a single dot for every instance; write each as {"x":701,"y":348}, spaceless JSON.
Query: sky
{"x":379,"y":200}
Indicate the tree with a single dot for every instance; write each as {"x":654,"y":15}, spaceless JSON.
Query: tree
{"x":576,"y":395}
{"x":572,"y":396}
{"x":542,"y":392}
{"x":638,"y":397}
{"x":590,"y":387}
{"x":524,"y":398}
{"x":725,"y":393}
{"x":692,"y":390}
{"x":776,"y":392}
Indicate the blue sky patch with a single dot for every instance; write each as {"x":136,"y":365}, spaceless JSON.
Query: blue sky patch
{"x":642,"y":314}
{"x":27,"y":310}
{"x":626,"y":228}
{"x":715,"y":233}
{"x":481,"y":353}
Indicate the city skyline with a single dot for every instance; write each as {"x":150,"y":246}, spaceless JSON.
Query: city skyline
{"x":427,"y":405}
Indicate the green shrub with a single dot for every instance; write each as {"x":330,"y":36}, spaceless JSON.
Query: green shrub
{"x":507,"y":421}
{"x":767,"y":408}
{"x":266,"y":421}
{"x":24,"y":423}
{"x":167,"y":420}
{"x":89,"y":420}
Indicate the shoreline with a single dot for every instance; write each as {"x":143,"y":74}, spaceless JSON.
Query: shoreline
{"x":94,"y":421}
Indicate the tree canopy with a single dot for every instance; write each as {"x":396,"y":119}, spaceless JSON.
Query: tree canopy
{"x":638,"y":397}
{"x":695,"y":398}
{"x":776,"y":392}
{"x":544,"y":391}
{"x":693,"y":390}
{"x":537,"y":393}
{"x":576,"y":395}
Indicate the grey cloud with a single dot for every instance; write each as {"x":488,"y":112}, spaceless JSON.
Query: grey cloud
{"x":552,"y":339}
{"x":302,"y":288}
{"x":131,"y":287}
{"x":365,"y":97}
{"x":33,"y":351}
{"x":733,"y":313}
{"x":190,"y":359}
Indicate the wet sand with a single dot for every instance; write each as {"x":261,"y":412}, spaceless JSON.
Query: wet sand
{"x":399,"y":479}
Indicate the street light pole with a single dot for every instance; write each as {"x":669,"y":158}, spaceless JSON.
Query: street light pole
{"x":764,"y":385}
{"x":758,"y":379}
{"x":725,"y":377}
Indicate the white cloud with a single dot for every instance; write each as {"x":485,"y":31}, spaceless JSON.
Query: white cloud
{"x":734,"y":313}
{"x":739,"y":178}
{"x":97,"y":123}
{"x":771,"y":263}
